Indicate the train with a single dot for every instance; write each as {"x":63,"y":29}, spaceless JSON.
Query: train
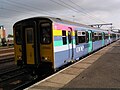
{"x":48,"y":43}
{"x":6,"y":41}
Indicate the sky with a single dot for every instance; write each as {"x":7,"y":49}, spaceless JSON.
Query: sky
{"x":82,"y":11}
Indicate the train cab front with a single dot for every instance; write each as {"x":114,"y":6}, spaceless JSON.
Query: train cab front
{"x":33,"y":44}
{"x":17,"y":30}
{"x":45,"y":47}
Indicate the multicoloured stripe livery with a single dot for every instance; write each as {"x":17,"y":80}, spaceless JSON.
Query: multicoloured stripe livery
{"x":45,"y":43}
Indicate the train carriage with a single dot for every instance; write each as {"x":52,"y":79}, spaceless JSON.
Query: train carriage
{"x":48,"y":43}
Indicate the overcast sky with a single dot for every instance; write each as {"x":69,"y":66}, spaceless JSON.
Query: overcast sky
{"x":85,"y":11}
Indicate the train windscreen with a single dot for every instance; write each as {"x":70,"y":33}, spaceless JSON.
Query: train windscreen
{"x":45,"y":30}
{"x":18,"y":34}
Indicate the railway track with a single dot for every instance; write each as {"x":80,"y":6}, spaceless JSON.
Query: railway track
{"x":6,"y":50}
{"x":6,"y":59}
{"x":15,"y":79}
{"x":28,"y":81}
{"x":10,"y":73}
{"x":9,"y":76}
{"x":6,"y":55}
{"x":6,"y":62}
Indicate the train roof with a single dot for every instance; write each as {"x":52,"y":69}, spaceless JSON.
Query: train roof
{"x":59,"y":20}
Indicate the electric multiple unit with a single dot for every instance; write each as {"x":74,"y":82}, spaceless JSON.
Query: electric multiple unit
{"x":48,"y":43}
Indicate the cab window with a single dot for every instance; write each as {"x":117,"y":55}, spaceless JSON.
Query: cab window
{"x":18,"y":34}
{"x":46,"y":33}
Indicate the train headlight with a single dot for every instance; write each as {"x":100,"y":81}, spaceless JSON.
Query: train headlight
{"x":19,"y":57}
{"x":46,"y":58}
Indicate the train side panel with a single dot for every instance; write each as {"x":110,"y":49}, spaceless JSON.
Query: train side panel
{"x":98,"y":40}
{"x":81,"y":46}
{"x":63,"y":48}
{"x":81,"y":50}
{"x":106,"y":38}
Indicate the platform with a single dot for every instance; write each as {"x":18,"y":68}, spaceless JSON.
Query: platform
{"x":99,"y":70}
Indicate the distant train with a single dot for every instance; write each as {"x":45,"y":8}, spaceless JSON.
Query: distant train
{"x":6,"y":41}
{"x":44,"y":43}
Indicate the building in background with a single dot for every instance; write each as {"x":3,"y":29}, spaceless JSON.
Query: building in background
{"x":2,"y":32}
{"x":2,"y":35}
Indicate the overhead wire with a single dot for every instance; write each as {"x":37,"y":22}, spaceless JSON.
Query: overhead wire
{"x":21,"y":6}
{"x":25,"y":6}
{"x":85,"y":10}
{"x":77,"y":10}
{"x":31,"y":8}
{"x":63,"y":5}
{"x":81,"y":11}
{"x":13,"y":10}
{"x":72,"y":9}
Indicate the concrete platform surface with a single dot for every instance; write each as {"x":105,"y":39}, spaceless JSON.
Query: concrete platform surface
{"x":104,"y":73}
{"x":99,"y":70}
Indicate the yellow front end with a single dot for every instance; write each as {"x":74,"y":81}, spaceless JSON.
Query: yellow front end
{"x":18,"y":53}
{"x":46,"y":53}
{"x":17,"y":50}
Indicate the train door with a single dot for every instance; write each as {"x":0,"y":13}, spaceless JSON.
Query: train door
{"x":90,"y":48}
{"x":29,"y":44}
{"x":70,"y":44}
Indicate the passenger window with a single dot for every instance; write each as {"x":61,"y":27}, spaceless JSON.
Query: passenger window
{"x":64,"y":38}
{"x":96,"y":36}
{"x":18,"y":34}
{"x":110,"y":35}
{"x":114,"y":35}
{"x":81,"y":37}
{"x":46,"y":33}
{"x":106,"y":36}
